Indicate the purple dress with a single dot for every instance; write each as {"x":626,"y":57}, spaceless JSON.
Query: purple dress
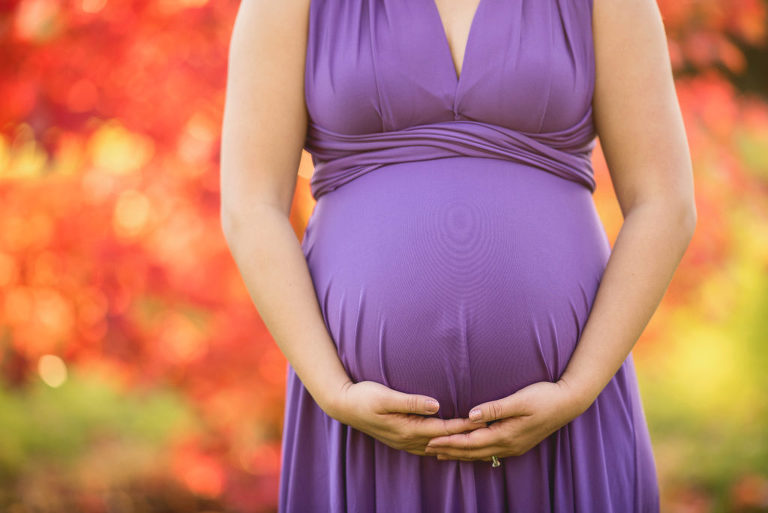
{"x":455,"y":251}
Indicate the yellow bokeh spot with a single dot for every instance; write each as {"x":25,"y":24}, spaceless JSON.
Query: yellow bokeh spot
{"x":38,"y":20}
{"x":53,"y":312}
{"x":197,"y":142}
{"x":52,"y":370}
{"x":181,"y":339}
{"x":119,"y":151}
{"x":707,"y":368}
{"x":131,"y":214}
{"x":69,"y":158}
{"x":92,"y":6}
{"x":173,"y":6}
{"x":23,"y":157}
{"x":5,"y":155}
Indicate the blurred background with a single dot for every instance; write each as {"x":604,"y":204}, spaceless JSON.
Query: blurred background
{"x":136,"y":375}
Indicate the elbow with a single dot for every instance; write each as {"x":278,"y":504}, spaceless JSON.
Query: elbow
{"x":676,"y":212}
{"x":237,"y":220}
{"x":227,"y":222}
{"x":684,"y":216}
{"x":688,"y":216}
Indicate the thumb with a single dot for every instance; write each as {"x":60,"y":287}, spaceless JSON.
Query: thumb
{"x":411,"y":403}
{"x":509,"y":406}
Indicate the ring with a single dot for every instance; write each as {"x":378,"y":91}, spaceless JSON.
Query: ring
{"x":496,"y":461}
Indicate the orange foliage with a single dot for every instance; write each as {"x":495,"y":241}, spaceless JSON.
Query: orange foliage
{"x":110,"y":243}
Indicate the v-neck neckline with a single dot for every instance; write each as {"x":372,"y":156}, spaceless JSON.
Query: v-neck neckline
{"x":446,"y":46}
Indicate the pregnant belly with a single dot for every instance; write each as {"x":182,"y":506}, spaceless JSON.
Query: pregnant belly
{"x":461,"y":278}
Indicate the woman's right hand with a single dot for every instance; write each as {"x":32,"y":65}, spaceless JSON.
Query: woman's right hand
{"x":395,"y":418}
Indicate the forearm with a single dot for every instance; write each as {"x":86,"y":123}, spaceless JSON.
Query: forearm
{"x":275,"y":272}
{"x":647,"y":250}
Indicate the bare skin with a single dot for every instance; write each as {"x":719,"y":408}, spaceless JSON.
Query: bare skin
{"x":643,"y":139}
{"x":457,"y":19}
{"x":263,"y":132}
{"x":642,"y":135}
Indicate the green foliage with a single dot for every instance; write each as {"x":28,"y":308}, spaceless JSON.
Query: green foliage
{"x":705,"y":394}
{"x":45,"y":425}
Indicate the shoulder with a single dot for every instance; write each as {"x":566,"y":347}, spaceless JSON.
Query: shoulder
{"x":269,"y":11}
{"x":265,"y":28}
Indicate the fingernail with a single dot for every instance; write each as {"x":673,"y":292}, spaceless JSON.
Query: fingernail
{"x":433,"y":405}
{"x":475,"y":415}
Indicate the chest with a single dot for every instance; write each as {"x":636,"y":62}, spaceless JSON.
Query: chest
{"x":382,"y":65}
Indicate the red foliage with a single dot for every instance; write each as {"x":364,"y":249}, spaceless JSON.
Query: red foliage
{"x":111,"y":251}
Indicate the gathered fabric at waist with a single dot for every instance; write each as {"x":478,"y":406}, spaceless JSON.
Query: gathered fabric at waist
{"x":340,"y":158}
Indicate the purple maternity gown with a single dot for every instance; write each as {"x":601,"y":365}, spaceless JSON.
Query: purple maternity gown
{"x":455,"y":251}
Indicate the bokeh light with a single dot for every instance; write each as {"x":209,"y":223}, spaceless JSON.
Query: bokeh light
{"x":137,"y":375}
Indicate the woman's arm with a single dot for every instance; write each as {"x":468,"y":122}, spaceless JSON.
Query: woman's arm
{"x":643,"y":139}
{"x":263,"y":133}
{"x":264,"y":126}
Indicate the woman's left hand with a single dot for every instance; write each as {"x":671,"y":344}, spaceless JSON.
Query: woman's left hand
{"x":522,"y":420}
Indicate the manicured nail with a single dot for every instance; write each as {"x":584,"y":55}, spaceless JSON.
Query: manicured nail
{"x":475,"y":415}
{"x":433,"y":405}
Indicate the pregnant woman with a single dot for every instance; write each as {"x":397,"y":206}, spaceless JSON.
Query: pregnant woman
{"x":457,"y":327}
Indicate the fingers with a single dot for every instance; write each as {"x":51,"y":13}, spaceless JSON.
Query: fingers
{"x":466,"y":441}
{"x":432,"y":427}
{"x":400,"y":402}
{"x":478,"y":454}
{"x":460,"y":425}
{"x":479,"y":444}
{"x":509,"y":406}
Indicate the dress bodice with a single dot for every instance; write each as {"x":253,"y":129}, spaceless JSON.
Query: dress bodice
{"x":381,"y":86}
